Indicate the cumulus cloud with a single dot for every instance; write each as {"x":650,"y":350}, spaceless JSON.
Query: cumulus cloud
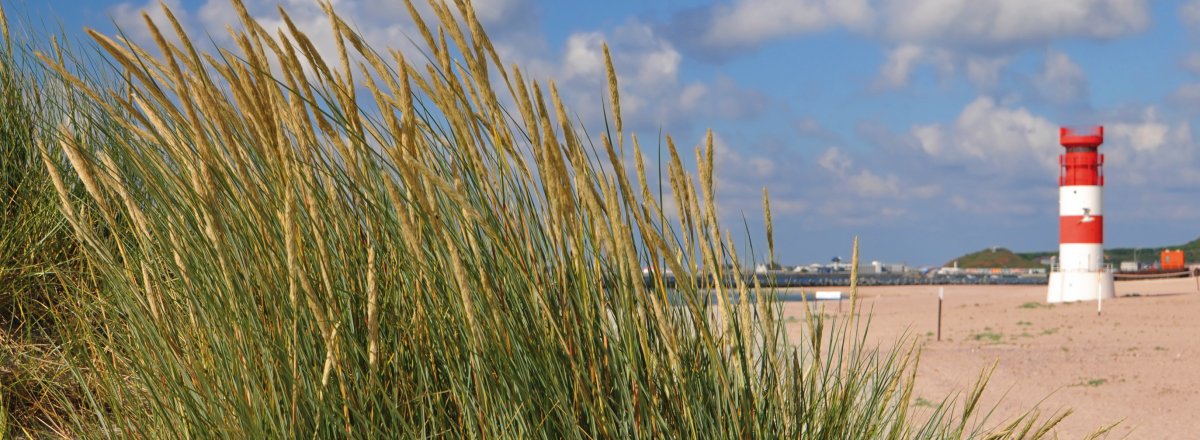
{"x":974,"y":38}
{"x":1002,"y":25}
{"x":738,"y":163}
{"x":860,"y":182}
{"x":978,"y":25}
{"x":991,"y":149}
{"x":852,"y":193}
{"x":991,"y":139}
{"x":902,"y":62}
{"x":984,"y":71}
{"x":128,"y":17}
{"x":1189,"y":12}
{"x":899,"y":66}
{"x":1145,"y":149}
{"x":742,"y":171}
{"x":724,"y":29}
{"x":1061,"y":81}
{"x":653,"y":95}
{"x":381,"y":23}
{"x":1143,"y":136}
{"x":504,"y":14}
{"x":638,"y":52}
{"x":750,"y":22}
{"x":979,"y":37}
{"x":834,"y":161}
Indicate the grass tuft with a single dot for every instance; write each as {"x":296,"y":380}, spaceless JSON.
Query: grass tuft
{"x":282,"y":242}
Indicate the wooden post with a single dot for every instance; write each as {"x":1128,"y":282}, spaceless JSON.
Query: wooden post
{"x":941,"y":295}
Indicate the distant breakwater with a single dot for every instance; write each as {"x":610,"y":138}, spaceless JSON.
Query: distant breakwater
{"x":843,"y":279}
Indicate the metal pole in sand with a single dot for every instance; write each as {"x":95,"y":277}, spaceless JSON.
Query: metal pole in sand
{"x":941,"y":295}
{"x":1099,"y":297}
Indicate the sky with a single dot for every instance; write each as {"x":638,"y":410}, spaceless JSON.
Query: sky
{"x":928,"y":128}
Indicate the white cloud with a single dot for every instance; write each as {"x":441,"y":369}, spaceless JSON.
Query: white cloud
{"x":730,"y":160}
{"x":834,"y":161}
{"x":503,"y":13}
{"x":128,"y":17}
{"x":653,"y":96}
{"x":1061,"y":81}
{"x":740,"y":174}
{"x":639,"y":55}
{"x":991,"y":139}
{"x":1146,"y":151}
{"x":869,"y":184}
{"x":984,"y":71}
{"x":748,"y":23}
{"x":898,"y":69}
{"x":1189,"y":12}
{"x":938,"y":23}
{"x":974,"y":37}
{"x":979,"y":37}
{"x":991,"y":147}
{"x":583,"y":56}
{"x":1007,"y":24}
{"x":1144,"y":136}
{"x":646,"y":67}
{"x":930,"y":138}
{"x":648,"y":64}
{"x":861,"y":183}
{"x":383,"y":24}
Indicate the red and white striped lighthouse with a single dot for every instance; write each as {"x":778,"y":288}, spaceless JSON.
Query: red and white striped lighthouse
{"x":1080,"y":273}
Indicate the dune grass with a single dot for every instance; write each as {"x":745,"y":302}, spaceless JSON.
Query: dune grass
{"x":41,"y":262}
{"x":289,"y":243}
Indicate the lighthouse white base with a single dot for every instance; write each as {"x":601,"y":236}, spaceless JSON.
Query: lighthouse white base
{"x":1079,"y":286}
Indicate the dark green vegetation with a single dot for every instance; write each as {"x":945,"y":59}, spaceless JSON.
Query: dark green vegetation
{"x":264,"y":244}
{"x":1004,"y":258}
{"x":1191,"y":253}
{"x":41,"y":262}
{"x":995,"y":257}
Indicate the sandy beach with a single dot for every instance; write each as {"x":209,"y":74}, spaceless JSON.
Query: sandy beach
{"x":1136,"y":362}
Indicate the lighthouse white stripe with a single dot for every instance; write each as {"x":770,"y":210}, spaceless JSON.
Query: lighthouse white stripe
{"x":1084,"y":257}
{"x":1073,"y":199}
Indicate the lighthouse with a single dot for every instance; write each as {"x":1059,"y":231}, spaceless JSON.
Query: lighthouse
{"x":1080,"y":274}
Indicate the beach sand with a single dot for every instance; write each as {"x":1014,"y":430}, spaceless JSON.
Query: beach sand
{"x":1138,"y":362}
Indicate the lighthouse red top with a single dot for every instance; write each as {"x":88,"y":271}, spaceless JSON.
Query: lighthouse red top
{"x":1081,"y":164}
{"x":1070,"y":139}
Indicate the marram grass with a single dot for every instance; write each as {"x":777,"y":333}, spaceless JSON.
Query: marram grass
{"x":41,"y":262}
{"x":294,"y":244}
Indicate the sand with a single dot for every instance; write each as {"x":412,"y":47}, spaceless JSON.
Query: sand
{"x":1137,"y":362}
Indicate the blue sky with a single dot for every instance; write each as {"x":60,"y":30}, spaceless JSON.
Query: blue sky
{"x":927,"y":127}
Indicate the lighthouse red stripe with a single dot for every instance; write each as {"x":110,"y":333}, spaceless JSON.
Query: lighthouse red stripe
{"x":1073,"y":229}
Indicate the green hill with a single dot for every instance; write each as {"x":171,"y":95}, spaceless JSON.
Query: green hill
{"x":994,"y":257}
{"x":1191,"y":253}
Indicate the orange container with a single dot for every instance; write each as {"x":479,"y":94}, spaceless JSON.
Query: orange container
{"x":1172,"y":260}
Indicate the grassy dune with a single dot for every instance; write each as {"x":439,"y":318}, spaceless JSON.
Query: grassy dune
{"x":273,"y":242}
